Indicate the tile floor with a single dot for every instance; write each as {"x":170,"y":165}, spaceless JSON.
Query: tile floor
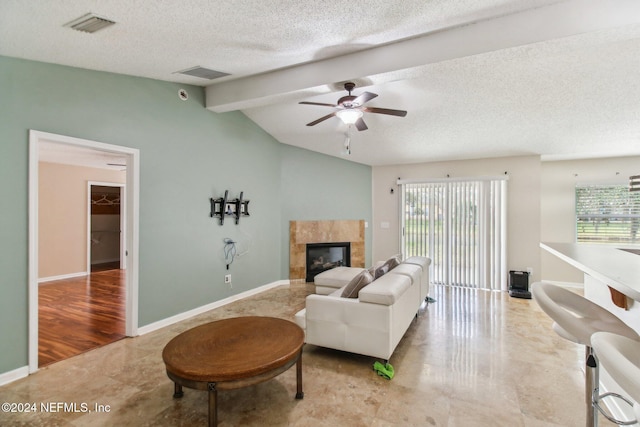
{"x":472,"y":358}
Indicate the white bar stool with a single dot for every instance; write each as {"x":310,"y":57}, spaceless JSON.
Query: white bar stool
{"x":621,"y":357}
{"x":576,"y":319}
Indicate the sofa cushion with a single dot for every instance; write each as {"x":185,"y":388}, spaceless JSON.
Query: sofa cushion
{"x":353,"y":287}
{"x":336,"y":277}
{"x":337,"y":292}
{"x":385,"y":290}
{"x":413,"y":271}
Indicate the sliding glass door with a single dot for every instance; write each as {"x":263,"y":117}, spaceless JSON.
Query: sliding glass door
{"x":460,"y":225}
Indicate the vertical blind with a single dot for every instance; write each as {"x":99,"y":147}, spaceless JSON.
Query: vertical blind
{"x":461,"y":226}
{"x":607,"y":214}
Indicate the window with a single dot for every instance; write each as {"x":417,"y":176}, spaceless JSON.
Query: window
{"x":461,"y":226}
{"x":607,"y":214}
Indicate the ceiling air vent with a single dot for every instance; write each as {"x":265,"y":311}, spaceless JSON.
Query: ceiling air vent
{"x":203,"y":73}
{"x":89,"y":23}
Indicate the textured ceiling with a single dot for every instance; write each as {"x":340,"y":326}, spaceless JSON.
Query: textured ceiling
{"x":478,"y":78}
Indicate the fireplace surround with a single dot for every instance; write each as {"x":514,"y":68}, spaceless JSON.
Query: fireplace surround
{"x":302,"y":233}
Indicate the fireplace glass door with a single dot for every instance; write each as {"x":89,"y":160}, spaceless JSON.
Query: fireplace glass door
{"x":325,"y":256}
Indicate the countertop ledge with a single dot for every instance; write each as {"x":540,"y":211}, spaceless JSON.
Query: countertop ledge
{"x":617,"y":268}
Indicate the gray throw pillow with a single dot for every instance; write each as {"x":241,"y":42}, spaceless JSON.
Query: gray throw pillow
{"x":388,"y":265}
{"x":374,"y":267}
{"x":381,"y":271}
{"x":357,"y":283}
{"x":393,"y":262}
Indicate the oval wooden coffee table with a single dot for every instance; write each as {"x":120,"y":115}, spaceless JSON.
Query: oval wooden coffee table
{"x":233,"y":353}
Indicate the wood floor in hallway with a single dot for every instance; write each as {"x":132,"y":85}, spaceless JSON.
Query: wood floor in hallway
{"x":79,"y":314}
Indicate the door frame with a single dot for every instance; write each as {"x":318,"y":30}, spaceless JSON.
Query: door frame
{"x":132,"y":217}
{"x":123,"y":221}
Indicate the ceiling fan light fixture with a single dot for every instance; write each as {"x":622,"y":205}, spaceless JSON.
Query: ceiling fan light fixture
{"x":351,"y":110}
{"x":349,"y":116}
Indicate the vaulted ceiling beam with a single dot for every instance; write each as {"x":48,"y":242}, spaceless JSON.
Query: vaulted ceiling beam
{"x":404,"y":59}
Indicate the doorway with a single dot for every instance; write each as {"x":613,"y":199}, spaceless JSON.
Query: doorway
{"x":76,"y":148}
{"x":106,"y":226}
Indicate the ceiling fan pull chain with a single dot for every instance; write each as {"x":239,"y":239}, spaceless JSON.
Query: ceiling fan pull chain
{"x":347,"y":141}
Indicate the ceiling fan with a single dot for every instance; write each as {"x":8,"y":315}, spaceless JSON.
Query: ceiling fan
{"x":350,"y":108}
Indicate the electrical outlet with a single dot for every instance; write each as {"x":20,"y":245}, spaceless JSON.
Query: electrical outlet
{"x":530,"y":271}
{"x":227,"y":278}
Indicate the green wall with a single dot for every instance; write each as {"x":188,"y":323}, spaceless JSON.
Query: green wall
{"x":187,"y":155}
{"x":319,"y":187}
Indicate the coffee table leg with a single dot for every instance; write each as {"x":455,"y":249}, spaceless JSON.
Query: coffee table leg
{"x":299,"y":393}
{"x":213,"y":405}
{"x":177,"y":391}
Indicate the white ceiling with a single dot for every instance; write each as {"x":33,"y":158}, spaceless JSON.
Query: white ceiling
{"x":479,"y":78}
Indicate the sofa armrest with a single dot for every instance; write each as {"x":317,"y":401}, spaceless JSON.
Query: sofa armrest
{"x":423,"y":263}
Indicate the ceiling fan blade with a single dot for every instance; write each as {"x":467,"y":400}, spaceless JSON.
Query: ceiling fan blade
{"x":321,"y":119}
{"x":364,"y":97}
{"x":390,"y":112}
{"x":317,"y":103}
{"x":360,"y":124}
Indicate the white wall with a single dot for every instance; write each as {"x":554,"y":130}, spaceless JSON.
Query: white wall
{"x":558,"y":182}
{"x":523,"y":203}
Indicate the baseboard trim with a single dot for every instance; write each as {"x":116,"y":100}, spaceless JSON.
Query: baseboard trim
{"x":62,"y":277}
{"x":104,"y":261}
{"x":217,"y":304}
{"x":16,"y":374}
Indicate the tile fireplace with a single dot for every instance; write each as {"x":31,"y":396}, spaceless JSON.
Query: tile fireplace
{"x":302,"y":233}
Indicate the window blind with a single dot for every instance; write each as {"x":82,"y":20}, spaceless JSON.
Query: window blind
{"x":460,"y":225}
{"x":607,"y":214}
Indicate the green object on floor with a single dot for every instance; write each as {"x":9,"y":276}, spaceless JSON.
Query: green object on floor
{"x":430,"y":300}
{"x":385,"y":371}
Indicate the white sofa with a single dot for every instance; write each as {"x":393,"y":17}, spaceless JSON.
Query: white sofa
{"x":374,"y":323}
